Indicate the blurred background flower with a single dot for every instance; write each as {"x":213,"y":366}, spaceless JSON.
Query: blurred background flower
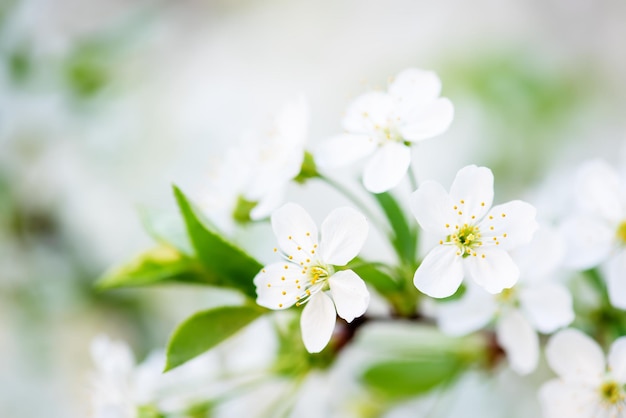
{"x":104,"y":104}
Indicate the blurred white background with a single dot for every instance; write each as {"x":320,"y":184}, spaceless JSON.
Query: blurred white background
{"x":105,"y":104}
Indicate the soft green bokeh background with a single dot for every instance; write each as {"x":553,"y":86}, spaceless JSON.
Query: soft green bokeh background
{"x":104,"y":104}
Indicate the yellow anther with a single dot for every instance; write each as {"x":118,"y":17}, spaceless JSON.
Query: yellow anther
{"x":483,"y":255}
{"x":269,"y":285}
{"x":504,"y":235}
{"x":275,"y":249}
{"x":462,"y":201}
{"x":482,"y":203}
{"x":447,"y":225}
{"x":291,"y":257}
{"x":289,"y":237}
{"x":280,"y":305}
{"x":504,"y":215}
{"x":282,"y":278}
{"x":490,"y":217}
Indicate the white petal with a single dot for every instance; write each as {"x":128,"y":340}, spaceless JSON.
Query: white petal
{"x":275,"y":279}
{"x":349,"y":293}
{"x":432,"y":208}
{"x":268,"y":203}
{"x":575,"y":357}
{"x":560,"y":400}
{"x":431,"y":121}
{"x":548,"y":306}
{"x":599,"y":190}
{"x":494,"y":272}
{"x":616,"y":279}
{"x":588,"y":241}
{"x":441,"y":272}
{"x":472,"y":312}
{"x":343,"y":234}
{"x":519,"y":341}
{"x":344,"y":149}
{"x":317,"y":322}
{"x":541,"y":256}
{"x":472,"y":192}
{"x":295,"y":230}
{"x":386,"y":167}
{"x":415,"y":88}
{"x":513,"y":223}
{"x":617,"y":360}
{"x":368,"y":111}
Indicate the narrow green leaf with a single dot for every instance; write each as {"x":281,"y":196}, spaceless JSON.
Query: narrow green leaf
{"x":205,"y":330}
{"x":229,"y":265}
{"x":167,"y":228}
{"x":410,"y":359}
{"x":371,"y":274}
{"x":405,"y":236}
{"x":162,"y":264}
{"x":405,"y":378}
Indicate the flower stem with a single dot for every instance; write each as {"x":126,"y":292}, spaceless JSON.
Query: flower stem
{"x":413,"y":178}
{"x":356,"y":200}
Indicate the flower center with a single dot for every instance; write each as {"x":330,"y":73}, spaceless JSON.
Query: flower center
{"x":388,"y":133}
{"x":316,"y":280}
{"x":621,"y":233}
{"x":611,"y":392}
{"x":467,"y":238}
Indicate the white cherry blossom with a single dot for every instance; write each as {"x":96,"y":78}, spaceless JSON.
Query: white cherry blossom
{"x":383,"y":125}
{"x":307,"y":274}
{"x":475,"y":238}
{"x":535,"y":304}
{"x":596,"y":234}
{"x":259,"y":169}
{"x":585,"y":387}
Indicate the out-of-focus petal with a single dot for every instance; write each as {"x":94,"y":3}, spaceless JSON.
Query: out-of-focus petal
{"x":387,"y":167}
{"x":537,"y":259}
{"x":616,"y":279}
{"x":367,"y":112}
{"x":349,"y":293}
{"x":559,"y":400}
{"x":344,"y":149}
{"x":519,"y":341}
{"x":318,"y":322}
{"x":441,"y":272}
{"x":588,"y":241}
{"x":472,"y":312}
{"x":548,"y":306}
{"x":617,"y":360}
{"x":575,"y":357}
{"x":430,"y":121}
{"x":598,"y":190}
{"x":414,"y":88}
{"x":343,"y":234}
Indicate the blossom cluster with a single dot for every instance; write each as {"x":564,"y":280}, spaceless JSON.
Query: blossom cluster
{"x":503,"y":271}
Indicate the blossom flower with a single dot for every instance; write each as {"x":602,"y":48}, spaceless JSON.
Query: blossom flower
{"x":597,"y":233}
{"x":307,"y":275}
{"x":253,"y":175}
{"x":534,"y":304}
{"x":585,"y":387}
{"x":474,"y":239}
{"x":383,"y":125}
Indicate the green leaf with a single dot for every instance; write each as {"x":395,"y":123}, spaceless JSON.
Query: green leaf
{"x":228,"y":265}
{"x":206,"y":329}
{"x":410,"y":359}
{"x":167,"y":228}
{"x":371,"y":274}
{"x":405,"y":236}
{"x":405,"y":378}
{"x":159,"y":265}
